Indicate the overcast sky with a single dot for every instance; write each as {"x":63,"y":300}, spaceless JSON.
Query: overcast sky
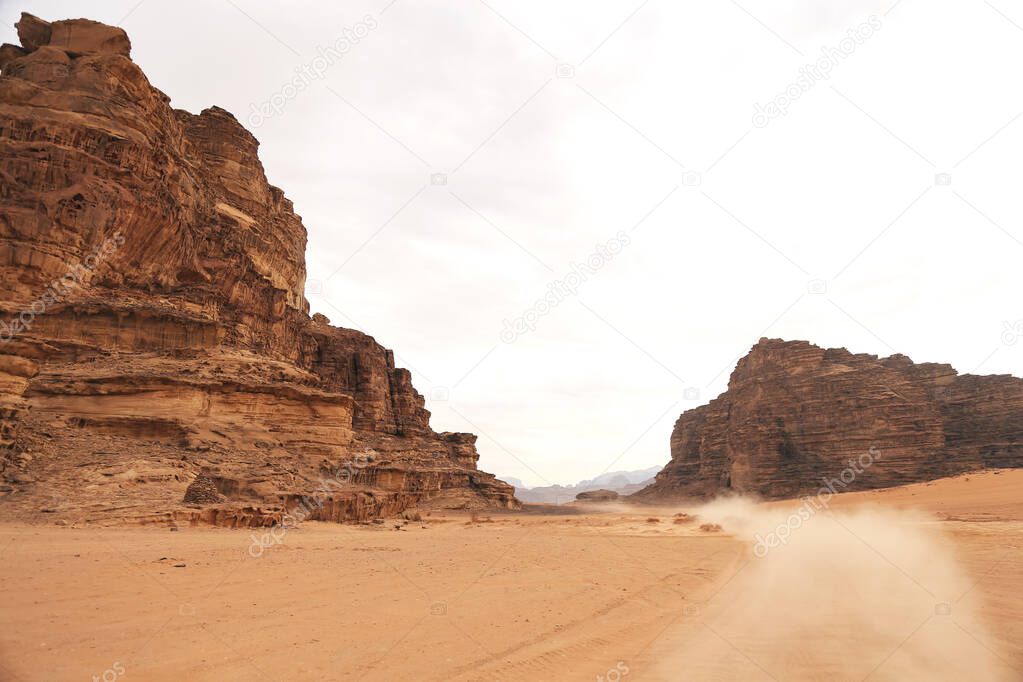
{"x":457,"y":157}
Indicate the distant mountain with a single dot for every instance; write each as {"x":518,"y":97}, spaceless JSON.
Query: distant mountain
{"x":622,"y":482}
{"x":629,"y":476}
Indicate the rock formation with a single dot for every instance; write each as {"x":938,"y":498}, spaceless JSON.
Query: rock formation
{"x":153,"y":323}
{"x":620,"y":482}
{"x":599,"y":495}
{"x":797,"y":417}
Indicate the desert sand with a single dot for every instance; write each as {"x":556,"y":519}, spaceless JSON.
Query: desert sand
{"x":919,"y":582}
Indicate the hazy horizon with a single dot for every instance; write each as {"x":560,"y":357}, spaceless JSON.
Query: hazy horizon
{"x":458,"y":163}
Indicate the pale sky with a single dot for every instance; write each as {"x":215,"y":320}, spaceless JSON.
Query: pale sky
{"x":558,"y":125}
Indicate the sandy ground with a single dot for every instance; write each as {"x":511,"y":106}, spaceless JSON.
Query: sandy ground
{"x":922,"y":582}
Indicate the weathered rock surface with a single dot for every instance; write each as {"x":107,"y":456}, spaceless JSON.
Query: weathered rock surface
{"x":153,"y":322}
{"x":795,"y":415}
{"x":15,"y":374}
{"x":600,"y":495}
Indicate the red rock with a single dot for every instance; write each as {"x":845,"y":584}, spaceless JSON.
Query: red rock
{"x":15,"y":374}
{"x":33,"y":32}
{"x":75,"y":36}
{"x":10,"y":52}
{"x":796,"y":417}
{"x":167,"y":338}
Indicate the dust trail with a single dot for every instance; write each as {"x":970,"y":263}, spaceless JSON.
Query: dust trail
{"x":870,"y":594}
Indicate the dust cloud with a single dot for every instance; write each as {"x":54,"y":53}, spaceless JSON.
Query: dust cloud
{"x":874,"y":594}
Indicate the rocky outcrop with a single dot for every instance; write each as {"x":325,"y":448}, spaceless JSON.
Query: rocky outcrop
{"x":797,"y":417}
{"x":619,"y":482}
{"x":15,"y":374}
{"x":154,"y":331}
{"x":600,"y":495}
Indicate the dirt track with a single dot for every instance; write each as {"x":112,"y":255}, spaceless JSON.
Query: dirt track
{"x":570,"y":597}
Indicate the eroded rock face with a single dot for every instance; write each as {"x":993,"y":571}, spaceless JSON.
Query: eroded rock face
{"x":15,"y":374}
{"x":796,"y":417}
{"x":153,"y":322}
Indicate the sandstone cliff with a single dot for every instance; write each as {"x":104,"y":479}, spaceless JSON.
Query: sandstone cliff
{"x":154,"y":331}
{"x":795,"y":415}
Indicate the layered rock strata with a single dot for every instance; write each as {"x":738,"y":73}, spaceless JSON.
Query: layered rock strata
{"x":797,"y":417}
{"x":153,"y":323}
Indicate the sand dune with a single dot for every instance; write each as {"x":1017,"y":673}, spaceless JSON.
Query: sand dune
{"x":920,"y":582}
